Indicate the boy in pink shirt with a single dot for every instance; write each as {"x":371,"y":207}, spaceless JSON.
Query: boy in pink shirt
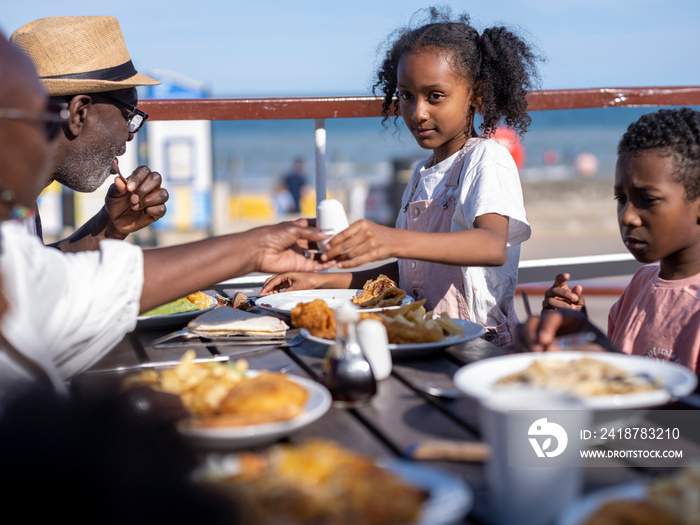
{"x":657,"y":188}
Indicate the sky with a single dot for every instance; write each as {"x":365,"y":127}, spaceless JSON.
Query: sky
{"x":268,"y":48}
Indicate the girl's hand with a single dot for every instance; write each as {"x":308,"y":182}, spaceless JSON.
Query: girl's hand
{"x":290,"y":281}
{"x":561,"y":296}
{"x":363,"y":242}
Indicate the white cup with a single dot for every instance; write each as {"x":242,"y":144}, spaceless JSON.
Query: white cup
{"x":371,"y":334}
{"x":531,"y":495}
{"x":330,"y":218}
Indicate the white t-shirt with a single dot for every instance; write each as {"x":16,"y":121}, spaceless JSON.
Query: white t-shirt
{"x":66,"y":311}
{"x":489,"y":184}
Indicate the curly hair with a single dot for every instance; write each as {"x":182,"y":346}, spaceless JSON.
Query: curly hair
{"x":500,"y":62}
{"x":674,"y":133}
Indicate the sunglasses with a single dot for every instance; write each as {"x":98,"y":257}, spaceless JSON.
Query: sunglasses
{"x":136,"y":117}
{"x":54,"y":116}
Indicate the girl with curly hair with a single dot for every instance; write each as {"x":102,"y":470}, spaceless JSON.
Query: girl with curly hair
{"x":458,"y":234}
{"x":657,"y":189}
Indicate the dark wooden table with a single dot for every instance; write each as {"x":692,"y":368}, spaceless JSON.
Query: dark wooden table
{"x":396,"y":419}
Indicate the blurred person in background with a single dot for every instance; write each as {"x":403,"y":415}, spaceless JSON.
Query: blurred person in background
{"x":296,"y":184}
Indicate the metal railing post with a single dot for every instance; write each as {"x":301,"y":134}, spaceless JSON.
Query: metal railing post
{"x":320,"y":149}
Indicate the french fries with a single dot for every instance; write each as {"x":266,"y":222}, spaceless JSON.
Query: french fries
{"x":410,"y":323}
{"x":202,"y":386}
{"x":222,"y":394}
{"x":413,"y":324}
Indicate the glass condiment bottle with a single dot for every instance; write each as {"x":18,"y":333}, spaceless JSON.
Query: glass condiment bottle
{"x":346,"y":371}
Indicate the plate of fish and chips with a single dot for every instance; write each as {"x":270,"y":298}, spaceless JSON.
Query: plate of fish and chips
{"x":411,"y":330}
{"x":231,"y":406}
{"x":321,"y":481}
{"x":376,"y":295}
{"x":176,"y":313}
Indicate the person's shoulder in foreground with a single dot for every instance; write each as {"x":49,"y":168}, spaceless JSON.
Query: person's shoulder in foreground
{"x":657,"y":189}
{"x":85,"y":67}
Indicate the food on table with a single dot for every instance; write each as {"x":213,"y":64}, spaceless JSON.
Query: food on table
{"x":316,"y":316}
{"x":413,"y":324}
{"x":222,"y":394}
{"x":671,"y":500}
{"x":580,"y":377}
{"x":319,"y":481}
{"x":223,"y":322}
{"x":622,"y":512}
{"x":410,"y":323}
{"x":379,"y":293}
{"x":190,"y":303}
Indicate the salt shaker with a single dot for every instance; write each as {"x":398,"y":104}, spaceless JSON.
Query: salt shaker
{"x":346,"y":371}
{"x":374,"y":342}
{"x":330,"y":218}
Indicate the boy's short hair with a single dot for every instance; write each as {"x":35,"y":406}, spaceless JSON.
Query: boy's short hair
{"x":677,"y":133}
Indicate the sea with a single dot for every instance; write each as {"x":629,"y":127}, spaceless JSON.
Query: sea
{"x":254,"y":155}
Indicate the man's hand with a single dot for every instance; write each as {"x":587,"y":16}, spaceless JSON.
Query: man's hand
{"x":134,"y":203}
{"x":282,"y":247}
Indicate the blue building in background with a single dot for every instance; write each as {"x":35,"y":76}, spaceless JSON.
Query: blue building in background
{"x":181,"y":151}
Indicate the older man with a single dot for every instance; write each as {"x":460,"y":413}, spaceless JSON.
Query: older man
{"x":84,"y":65}
{"x":66,"y":311}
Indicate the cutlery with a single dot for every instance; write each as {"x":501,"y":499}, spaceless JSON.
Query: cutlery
{"x":526,"y":303}
{"x":161,"y":364}
{"x":444,"y":393}
{"x":230,"y":341}
{"x":438,"y":449}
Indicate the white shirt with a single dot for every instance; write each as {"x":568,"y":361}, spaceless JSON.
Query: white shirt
{"x":489,"y":184}
{"x":66,"y":311}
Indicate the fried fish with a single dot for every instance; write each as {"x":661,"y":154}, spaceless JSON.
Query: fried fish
{"x":379,"y":293}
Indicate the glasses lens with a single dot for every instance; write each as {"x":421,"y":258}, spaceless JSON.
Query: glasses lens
{"x":135,"y":123}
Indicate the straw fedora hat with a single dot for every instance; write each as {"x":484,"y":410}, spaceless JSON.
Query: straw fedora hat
{"x":79,"y":54}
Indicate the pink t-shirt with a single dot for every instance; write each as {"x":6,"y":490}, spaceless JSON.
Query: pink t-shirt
{"x":658,"y":318}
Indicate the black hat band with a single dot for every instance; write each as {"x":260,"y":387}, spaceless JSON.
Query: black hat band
{"x":114,"y":74}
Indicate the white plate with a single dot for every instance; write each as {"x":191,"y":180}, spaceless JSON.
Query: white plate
{"x":317,"y":404}
{"x":155,"y":322}
{"x":469,"y":331}
{"x":449,"y":497}
{"x":284,"y":302}
{"x":582,"y":509}
{"x":477,"y":379}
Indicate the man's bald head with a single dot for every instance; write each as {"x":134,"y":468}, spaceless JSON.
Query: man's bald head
{"x":24,"y":147}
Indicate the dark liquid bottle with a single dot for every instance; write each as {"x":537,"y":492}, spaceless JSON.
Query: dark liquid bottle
{"x":346,"y":371}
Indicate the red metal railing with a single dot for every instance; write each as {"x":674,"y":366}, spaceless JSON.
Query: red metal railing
{"x":320,"y":108}
{"x":349,"y":107}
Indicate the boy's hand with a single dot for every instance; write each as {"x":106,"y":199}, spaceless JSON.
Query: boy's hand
{"x":561,"y":296}
{"x":558,"y":330}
